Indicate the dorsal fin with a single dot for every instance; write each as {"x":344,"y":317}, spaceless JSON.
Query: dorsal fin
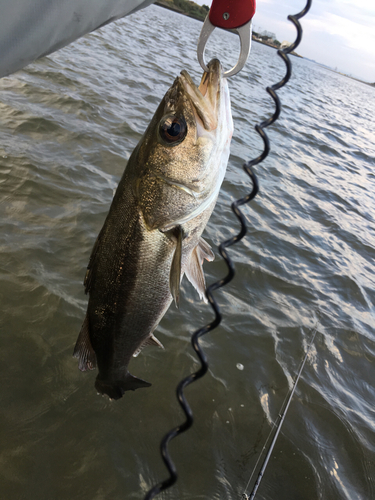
{"x":83,"y":349}
{"x":194,"y":269}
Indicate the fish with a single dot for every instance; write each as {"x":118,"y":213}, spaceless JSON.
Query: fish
{"x":152,"y":235}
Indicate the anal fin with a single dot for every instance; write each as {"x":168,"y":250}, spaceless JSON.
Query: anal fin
{"x":151,"y":341}
{"x":83,"y":349}
{"x":205,"y":251}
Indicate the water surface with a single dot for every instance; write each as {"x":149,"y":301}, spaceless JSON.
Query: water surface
{"x":68,"y":124}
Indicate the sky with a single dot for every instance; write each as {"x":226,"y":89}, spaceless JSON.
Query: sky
{"x":337,"y":33}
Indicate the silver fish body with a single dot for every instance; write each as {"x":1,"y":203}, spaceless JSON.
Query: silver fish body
{"x":152,"y":234}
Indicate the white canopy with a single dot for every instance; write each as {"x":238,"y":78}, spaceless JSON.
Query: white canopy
{"x":30,"y":29}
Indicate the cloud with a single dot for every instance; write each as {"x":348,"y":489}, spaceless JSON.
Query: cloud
{"x":351,"y":34}
{"x":339,"y":33}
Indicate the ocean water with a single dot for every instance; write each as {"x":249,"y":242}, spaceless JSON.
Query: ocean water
{"x":68,"y":124}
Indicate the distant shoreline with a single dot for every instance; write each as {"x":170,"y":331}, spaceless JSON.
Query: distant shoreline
{"x":179,"y":11}
{"x":342,"y":74}
{"x":176,"y":9}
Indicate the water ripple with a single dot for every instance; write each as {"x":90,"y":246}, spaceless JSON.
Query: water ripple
{"x":68,"y":124}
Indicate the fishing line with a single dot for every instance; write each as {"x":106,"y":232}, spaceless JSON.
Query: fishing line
{"x":167,"y":483}
{"x":277,"y":425}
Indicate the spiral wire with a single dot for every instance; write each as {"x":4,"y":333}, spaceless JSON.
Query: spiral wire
{"x":167,"y":483}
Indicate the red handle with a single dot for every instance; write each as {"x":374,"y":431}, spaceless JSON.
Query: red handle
{"x":229,"y":14}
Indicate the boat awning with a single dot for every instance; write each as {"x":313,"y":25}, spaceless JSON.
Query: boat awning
{"x":30,"y":29}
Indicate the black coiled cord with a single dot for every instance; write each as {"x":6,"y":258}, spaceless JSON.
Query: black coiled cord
{"x":222,"y":249}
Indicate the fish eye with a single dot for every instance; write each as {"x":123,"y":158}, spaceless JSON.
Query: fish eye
{"x":173,"y":129}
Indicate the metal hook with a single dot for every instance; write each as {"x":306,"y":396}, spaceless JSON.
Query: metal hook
{"x":244,"y":32}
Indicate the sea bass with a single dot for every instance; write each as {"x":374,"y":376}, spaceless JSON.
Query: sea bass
{"x":152,"y":234}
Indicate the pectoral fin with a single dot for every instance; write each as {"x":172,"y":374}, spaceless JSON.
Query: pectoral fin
{"x":83,"y":349}
{"x":175,"y":274}
{"x":194,"y":270}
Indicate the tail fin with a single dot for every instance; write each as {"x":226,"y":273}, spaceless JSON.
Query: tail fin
{"x":115,"y":388}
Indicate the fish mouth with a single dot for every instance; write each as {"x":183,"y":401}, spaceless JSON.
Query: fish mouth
{"x":206,"y":97}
